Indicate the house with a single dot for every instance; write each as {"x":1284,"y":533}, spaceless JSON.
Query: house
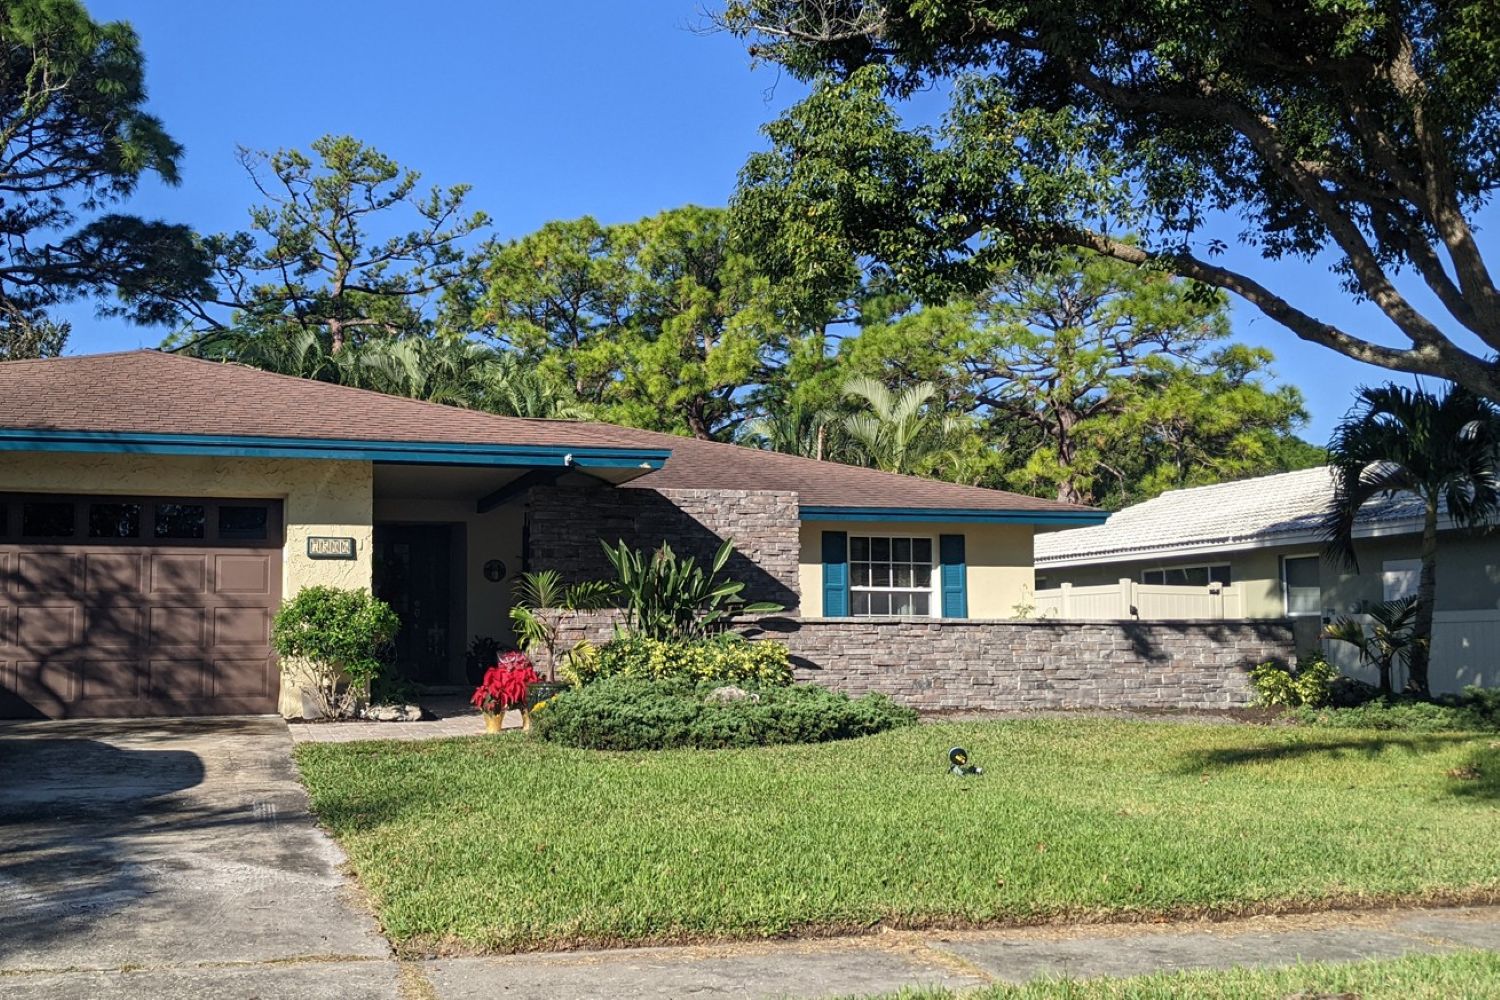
{"x":1263,"y":538}
{"x":155,"y":509}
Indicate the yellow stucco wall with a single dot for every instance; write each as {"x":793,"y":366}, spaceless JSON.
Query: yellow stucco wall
{"x":998,"y":558}
{"x":319,"y":498}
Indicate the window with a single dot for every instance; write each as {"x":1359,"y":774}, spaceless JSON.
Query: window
{"x":180,"y":520}
{"x":114,"y":520}
{"x":890,"y":576}
{"x":242,"y":522}
{"x":1399,"y":578}
{"x":47,"y":520}
{"x":1187,"y":576}
{"x":1299,"y":584}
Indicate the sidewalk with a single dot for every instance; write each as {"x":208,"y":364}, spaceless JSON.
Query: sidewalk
{"x":840,"y":967}
{"x":960,"y":960}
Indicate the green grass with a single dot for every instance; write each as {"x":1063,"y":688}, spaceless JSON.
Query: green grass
{"x":1470,"y":975}
{"x":506,"y":843}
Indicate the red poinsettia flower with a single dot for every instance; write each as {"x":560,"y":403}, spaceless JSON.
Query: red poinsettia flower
{"x":504,"y":684}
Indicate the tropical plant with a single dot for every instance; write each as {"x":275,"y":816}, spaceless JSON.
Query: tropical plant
{"x":671,"y":597}
{"x":336,"y":639}
{"x":798,"y":430}
{"x":504,"y":685}
{"x":539,"y":601}
{"x":725,"y":658}
{"x":898,"y":431}
{"x":1311,"y":685}
{"x":1391,"y":638}
{"x":1440,"y":448}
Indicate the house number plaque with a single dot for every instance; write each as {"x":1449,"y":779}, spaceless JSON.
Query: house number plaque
{"x":329,"y":547}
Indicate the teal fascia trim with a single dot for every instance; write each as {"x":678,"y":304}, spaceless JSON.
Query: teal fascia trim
{"x":954,"y":515}
{"x":400,"y":452}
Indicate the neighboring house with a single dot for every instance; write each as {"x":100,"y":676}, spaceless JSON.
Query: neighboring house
{"x":1263,"y":537}
{"x":155,"y":509}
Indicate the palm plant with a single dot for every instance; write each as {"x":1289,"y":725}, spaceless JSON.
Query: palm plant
{"x":798,"y":430}
{"x":898,"y":432}
{"x":670,"y":597}
{"x":1442,"y":449}
{"x":1390,"y":638}
{"x":538,"y":602}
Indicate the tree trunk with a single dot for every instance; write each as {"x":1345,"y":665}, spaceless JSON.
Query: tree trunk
{"x":1416,"y":680}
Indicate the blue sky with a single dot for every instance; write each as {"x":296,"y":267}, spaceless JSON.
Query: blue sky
{"x":550,"y":110}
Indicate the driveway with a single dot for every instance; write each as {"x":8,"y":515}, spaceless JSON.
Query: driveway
{"x":180,"y":851}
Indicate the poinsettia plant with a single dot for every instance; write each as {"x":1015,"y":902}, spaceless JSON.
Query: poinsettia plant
{"x":504,"y":684}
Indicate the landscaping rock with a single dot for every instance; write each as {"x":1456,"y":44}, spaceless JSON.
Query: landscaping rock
{"x":393,"y":713}
{"x":731,"y":693}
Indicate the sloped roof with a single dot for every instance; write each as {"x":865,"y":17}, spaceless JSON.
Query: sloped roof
{"x":151,"y":392}
{"x":1287,"y":507}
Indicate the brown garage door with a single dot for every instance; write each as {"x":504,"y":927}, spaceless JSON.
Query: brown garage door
{"x":122,"y":606}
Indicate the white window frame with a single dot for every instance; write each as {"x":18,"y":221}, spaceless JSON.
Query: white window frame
{"x":1286,"y":596}
{"x":1208,"y":566}
{"x":933,"y":589}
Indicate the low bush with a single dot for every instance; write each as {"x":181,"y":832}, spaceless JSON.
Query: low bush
{"x":338,"y":639}
{"x":1311,"y":684}
{"x":629,"y":713}
{"x":1477,"y":709}
{"x":723,"y":659}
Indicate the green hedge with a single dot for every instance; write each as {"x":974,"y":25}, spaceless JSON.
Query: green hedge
{"x":722,"y":659}
{"x":1477,"y":710}
{"x":627,"y":713}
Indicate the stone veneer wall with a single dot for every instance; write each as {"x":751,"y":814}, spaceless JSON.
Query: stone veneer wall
{"x":567,"y":523}
{"x":937,"y":665}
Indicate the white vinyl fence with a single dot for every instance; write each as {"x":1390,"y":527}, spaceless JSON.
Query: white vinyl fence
{"x":1148,"y":602}
{"x":1465,"y":650}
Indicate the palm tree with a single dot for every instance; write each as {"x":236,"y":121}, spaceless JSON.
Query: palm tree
{"x":798,"y":430}
{"x":898,"y":432}
{"x":1441,"y":449}
{"x":1390,"y":640}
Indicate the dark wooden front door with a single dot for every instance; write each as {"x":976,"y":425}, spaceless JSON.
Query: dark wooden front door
{"x":413,"y":574}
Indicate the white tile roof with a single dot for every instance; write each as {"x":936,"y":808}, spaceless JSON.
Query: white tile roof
{"x":1287,"y":507}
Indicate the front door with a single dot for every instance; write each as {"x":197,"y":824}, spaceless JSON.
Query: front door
{"x":412,"y":575}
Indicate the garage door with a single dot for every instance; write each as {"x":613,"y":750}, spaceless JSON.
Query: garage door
{"x":123,"y":606}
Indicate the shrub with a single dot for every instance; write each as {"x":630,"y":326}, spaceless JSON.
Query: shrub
{"x":1311,"y":685}
{"x":1476,"y":710}
{"x":339,"y":637}
{"x":726,"y":658}
{"x":672,"y":597}
{"x":627,"y":713}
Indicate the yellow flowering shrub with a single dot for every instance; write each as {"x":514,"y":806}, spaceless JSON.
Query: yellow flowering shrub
{"x":724,"y":659}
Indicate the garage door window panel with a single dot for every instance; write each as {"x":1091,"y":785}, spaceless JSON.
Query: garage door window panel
{"x":49,"y":519}
{"x":114,"y":520}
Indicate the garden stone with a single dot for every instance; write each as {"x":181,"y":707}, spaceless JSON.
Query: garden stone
{"x":394,"y":713}
{"x":730,"y":693}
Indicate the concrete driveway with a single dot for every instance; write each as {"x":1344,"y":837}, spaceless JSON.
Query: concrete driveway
{"x":180,"y":851}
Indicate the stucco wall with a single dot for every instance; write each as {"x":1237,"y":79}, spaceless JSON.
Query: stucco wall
{"x":1468,"y":573}
{"x":998,"y":558}
{"x":319,"y":498}
{"x":493,"y":535}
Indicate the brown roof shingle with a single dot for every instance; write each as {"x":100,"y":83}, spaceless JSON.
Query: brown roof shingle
{"x":157,"y":393}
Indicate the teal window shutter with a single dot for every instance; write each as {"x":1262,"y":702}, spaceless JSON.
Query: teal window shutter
{"x":835,"y":574}
{"x":953,"y":576}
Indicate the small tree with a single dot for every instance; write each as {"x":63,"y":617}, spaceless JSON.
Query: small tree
{"x":541,"y":599}
{"x":339,"y":638}
{"x":1442,"y":449}
{"x":1391,"y":638}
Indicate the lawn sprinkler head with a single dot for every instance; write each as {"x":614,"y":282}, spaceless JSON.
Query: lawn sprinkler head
{"x":958,"y":763}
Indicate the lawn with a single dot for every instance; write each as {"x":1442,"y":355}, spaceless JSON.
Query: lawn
{"x":506,"y":843}
{"x":1471,"y":975}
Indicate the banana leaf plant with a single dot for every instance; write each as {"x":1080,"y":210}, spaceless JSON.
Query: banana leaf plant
{"x":671,"y":597}
{"x":1391,"y":637}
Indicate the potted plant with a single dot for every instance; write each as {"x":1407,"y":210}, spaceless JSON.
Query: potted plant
{"x":541,"y":600}
{"x":503,"y":688}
